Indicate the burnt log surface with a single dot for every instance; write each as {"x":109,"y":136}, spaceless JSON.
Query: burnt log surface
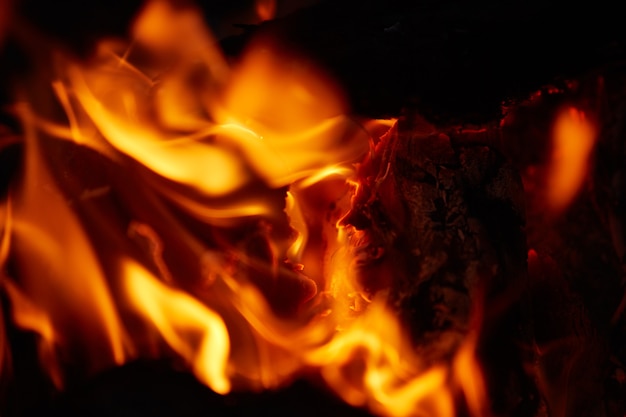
{"x":443,"y":216}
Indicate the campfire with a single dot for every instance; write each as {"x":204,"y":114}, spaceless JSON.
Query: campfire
{"x":201,"y":222}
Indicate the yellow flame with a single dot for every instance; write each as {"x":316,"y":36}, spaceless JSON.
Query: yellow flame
{"x":30,"y":317}
{"x":573,"y":141}
{"x":327,"y":172}
{"x":66,"y":281}
{"x":5,"y":236}
{"x":276,"y":123}
{"x":194,"y":331}
{"x":223,"y":146}
{"x":294,"y":254}
{"x":468,"y":375}
{"x":163,"y":27}
{"x":370,"y":363}
{"x":297,"y":113}
{"x":211,"y":169}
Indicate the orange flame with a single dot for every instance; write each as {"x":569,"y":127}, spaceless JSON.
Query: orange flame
{"x":66,"y":282}
{"x":29,"y":317}
{"x":297,"y":114}
{"x":179,"y":31}
{"x":468,"y":376}
{"x":221,"y":189}
{"x":371,"y":364}
{"x":178,"y":317}
{"x":573,"y":141}
{"x":5,"y":236}
{"x":265,"y":9}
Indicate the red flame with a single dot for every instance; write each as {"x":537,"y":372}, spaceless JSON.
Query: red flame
{"x":265,"y":9}
{"x":573,"y":141}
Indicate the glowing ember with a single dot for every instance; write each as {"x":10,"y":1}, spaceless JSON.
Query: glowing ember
{"x":573,"y":140}
{"x":266,"y":9}
{"x":198,"y":216}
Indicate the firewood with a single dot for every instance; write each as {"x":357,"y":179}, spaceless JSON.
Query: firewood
{"x":442,"y":218}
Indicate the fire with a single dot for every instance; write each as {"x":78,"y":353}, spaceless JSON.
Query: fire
{"x":29,"y":317}
{"x":573,"y":141}
{"x":265,"y":9}
{"x":178,"y":316}
{"x":198,"y":216}
{"x":66,"y":282}
{"x":371,"y":364}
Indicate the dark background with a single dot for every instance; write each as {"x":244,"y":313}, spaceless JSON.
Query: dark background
{"x":452,"y":60}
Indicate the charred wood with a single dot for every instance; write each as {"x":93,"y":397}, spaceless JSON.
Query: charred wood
{"x":446,"y":216}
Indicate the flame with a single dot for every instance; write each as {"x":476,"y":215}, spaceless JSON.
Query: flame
{"x":206,"y":225}
{"x":371,"y":364}
{"x":573,"y":140}
{"x":468,"y":376}
{"x":299,"y":224}
{"x":5,"y":236}
{"x":29,"y":317}
{"x":298,"y":116}
{"x":66,"y":282}
{"x":265,"y":9}
{"x":181,"y":160}
{"x":180,"y":31}
{"x":178,"y":316}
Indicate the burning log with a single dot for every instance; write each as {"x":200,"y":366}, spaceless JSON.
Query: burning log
{"x":439,"y":225}
{"x":427,"y":241}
